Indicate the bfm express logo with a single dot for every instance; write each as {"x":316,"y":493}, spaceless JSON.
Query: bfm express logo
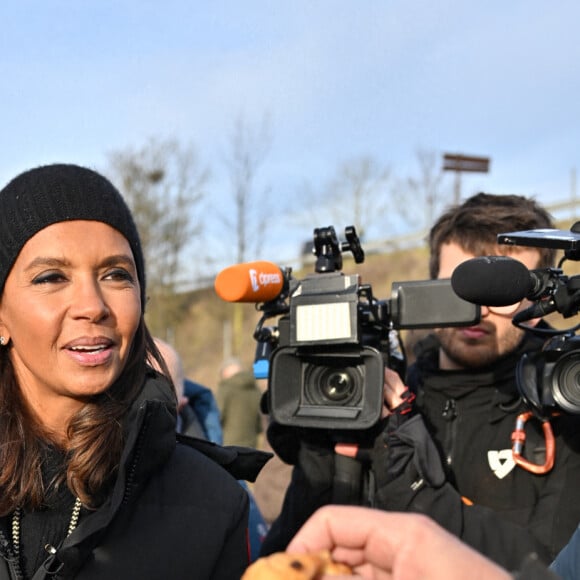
{"x":262,"y":279}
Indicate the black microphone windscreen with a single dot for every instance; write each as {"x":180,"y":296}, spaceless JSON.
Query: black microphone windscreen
{"x":492,"y":281}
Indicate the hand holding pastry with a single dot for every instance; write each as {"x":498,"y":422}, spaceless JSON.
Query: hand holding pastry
{"x":379,"y":545}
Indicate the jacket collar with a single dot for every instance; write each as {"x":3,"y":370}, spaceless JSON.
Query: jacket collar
{"x":150,"y":440}
{"x":495,"y":383}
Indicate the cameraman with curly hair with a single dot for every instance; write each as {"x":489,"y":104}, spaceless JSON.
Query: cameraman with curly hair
{"x":444,"y":448}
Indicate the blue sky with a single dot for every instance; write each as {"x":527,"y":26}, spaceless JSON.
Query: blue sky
{"x":338,"y":79}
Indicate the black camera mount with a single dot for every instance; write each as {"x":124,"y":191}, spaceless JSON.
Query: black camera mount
{"x":328,"y":249}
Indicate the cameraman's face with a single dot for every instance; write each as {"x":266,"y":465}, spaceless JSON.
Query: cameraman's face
{"x":495,"y":335}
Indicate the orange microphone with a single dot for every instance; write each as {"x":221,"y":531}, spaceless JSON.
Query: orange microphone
{"x":251,"y":282}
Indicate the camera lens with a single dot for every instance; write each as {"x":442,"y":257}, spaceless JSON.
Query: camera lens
{"x":337,"y":386}
{"x":566,"y":382}
{"x":333,"y":385}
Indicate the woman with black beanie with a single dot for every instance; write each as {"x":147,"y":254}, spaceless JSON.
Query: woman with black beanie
{"x":93,"y":483}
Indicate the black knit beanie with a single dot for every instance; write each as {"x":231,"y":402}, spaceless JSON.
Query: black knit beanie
{"x":56,"y":193}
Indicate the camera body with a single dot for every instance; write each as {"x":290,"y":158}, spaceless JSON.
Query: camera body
{"x":326,"y":356}
{"x":549,"y":380}
{"x":323,"y":373}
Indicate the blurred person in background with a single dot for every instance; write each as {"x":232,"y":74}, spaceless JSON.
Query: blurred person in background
{"x":198,"y":413}
{"x":187,"y":420}
{"x":238,"y":399}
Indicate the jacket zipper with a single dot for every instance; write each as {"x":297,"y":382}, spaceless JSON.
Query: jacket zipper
{"x":450,"y":415}
{"x":10,"y":558}
{"x":129,"y":483}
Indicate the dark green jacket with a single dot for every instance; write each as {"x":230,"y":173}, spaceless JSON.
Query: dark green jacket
{"x":238,"y":399}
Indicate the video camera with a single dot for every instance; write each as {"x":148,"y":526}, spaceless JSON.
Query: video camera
{"x":548,"y":380}
{"x":325,"y":356}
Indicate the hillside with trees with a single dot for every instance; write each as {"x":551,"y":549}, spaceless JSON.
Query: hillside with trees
{"x":171,"y":191}
{"x":205,"y":334}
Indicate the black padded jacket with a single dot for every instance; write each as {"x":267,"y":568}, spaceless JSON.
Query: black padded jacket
{"x":174,"y":511}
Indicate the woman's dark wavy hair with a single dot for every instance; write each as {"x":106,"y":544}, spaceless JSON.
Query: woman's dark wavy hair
{"x":475,"y":224}
{"x":96,"y":434}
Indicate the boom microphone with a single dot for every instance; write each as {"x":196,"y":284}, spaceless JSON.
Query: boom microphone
{"x":251,"y":282}
{"x":497,"y":281}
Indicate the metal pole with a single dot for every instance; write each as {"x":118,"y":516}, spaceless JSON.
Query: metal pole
{"x":227,"y":346}
{"x":573,"y":191}
{"x":457,"y":190}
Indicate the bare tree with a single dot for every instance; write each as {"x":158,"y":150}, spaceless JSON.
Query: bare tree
{"x":164,"y":184}
{"x":424,"y":190}
{"x":362,"y":187}
{"x":247,"y":149}
{"x":357,"y":194}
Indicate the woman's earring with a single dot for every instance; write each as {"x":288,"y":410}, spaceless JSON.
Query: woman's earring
{"x":2,"y":341}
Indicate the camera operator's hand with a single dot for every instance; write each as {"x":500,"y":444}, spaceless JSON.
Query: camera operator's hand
{"x":312,"y":450}
{"x":404,"y":458}
{"x":394,"y":389}
{"x":398,"y":400}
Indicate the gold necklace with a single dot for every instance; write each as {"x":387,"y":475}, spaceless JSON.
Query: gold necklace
{"x":74,"y":520}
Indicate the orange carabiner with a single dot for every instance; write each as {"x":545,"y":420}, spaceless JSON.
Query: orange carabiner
{"x":519,"y":438}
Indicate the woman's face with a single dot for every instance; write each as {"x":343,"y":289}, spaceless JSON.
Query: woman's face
{"x":71,"y":306}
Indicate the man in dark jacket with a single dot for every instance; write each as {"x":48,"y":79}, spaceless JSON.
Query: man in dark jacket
{"x":449,"y":453}
{"x":238,"y":399}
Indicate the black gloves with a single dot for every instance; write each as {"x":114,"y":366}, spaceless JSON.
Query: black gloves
{"x":404,"y":461}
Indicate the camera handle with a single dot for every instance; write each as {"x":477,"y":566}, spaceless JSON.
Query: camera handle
{"x":347,"y":484}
